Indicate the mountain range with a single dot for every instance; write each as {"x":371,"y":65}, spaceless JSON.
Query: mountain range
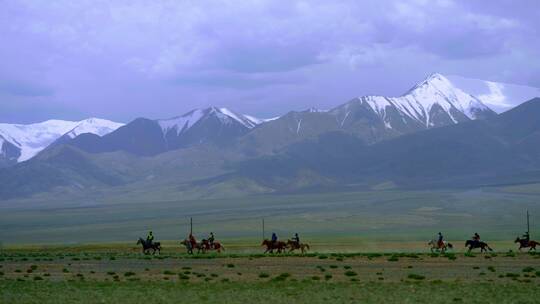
{"x":435,"y":134}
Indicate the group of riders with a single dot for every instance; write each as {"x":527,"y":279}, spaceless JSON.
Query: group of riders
{"x":294,"y":243}
{"x":476,"y":242}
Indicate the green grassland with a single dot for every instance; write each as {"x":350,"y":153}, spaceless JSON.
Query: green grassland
{"x":103,"y":274}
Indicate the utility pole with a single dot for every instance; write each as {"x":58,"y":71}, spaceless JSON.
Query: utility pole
{"x":191,"y":226}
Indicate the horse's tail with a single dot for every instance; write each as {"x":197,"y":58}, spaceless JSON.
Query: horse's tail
{"x":450,"y":245}
{"x":489,"y":247}
{"x":307,"y":246}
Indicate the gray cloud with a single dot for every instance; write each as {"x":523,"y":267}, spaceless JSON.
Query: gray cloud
{"x":116,"y":58}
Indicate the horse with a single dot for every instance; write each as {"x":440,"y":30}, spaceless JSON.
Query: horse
{"x":190,"y":246}
{"x":292,"y":245}
{"x":524,"y":244}
{"x":146,"y":246}
{"x":477,"y":244}
{"x":215,"y":246}
{"x":270,"y":246}
{"x":435,"y":246}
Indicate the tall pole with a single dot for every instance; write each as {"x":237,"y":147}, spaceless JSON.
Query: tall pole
{"x":191,"y":226}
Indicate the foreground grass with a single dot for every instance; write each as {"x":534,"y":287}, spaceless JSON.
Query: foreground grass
{"x":269,"y":292}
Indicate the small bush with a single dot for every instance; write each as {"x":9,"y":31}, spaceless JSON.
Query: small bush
{"x":512,"y":275}
{"x":38,"y":278}
{"x":491,"y":268}
{"x":347,"y":267}
{"x":323,"y":257}
{"x":327,"y":276}
{"x":316,"y":278}
{"x":414,"y":276}
{"x":129,"y":274}
{"x":476,"y":267}
{"x":350,"y":273}
{"x":528,"y":269}
{"x":393,"y":259}
{"x":168,"y":272}
{"x":183,"y":277}
{"x":230,"y":265}
{"x":263,"y":275}
{"x":65,"y":270}
{"x":111,"y":273}
{"x":333,"y":266}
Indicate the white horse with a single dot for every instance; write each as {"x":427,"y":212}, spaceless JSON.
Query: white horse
{"x":435,"y":246}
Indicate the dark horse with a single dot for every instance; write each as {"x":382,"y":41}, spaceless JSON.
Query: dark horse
{"x":477,"y":244}
{"x":270,"y":246}
{"x":146,"y":246}
{"x":524,"y":244}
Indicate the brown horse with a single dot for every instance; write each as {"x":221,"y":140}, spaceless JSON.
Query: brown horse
{"x":292,"y":245}
{"x":524,"y":244}
{"x":190,"y":246}
{"x":270,"y":246}
{"x":209,"y":247}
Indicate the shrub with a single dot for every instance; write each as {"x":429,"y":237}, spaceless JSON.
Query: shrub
{"x":528,"y":269}
{"x":393,"y":259}
{"x":263,"y":275}
{"x":183,"y":277}
{"x":230,"y":265}
{"x":491,"y":268}
{"x":327,"y":276}
{"x":350,"y":273}
{"x":168,"y":272}
{"x":38,"y":278}
{"x":129,"y":274}
{"x":333,"y":266}
{"x":414,"y":276}
{"x":316,"y":278}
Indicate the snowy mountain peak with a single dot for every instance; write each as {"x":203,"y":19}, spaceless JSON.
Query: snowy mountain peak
{"x":433,"y":102}
{"x":183,"y":123}
{"x":30,"y":139}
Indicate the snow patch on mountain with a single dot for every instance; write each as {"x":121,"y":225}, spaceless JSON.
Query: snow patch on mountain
{"x":96,"y":126}
{"x":32,"y":138}
{"x":418,"y":102}
{"x":183,"y":123}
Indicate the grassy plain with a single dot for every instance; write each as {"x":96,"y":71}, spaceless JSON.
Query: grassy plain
{"x":102,"y":274}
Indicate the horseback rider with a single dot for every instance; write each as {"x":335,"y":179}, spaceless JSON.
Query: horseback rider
{"x":440,"y":241}
{"x":296,"y":239}
{"x":526,"y":238}
{"x":274,"y":238}
{"x":192,"y":240}
{"x":476,"y":237}
{"x":150,"y":238}
{"x":211,"y":239}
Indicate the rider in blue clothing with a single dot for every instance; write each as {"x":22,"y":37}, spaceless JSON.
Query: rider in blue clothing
{"x":274,"y":237}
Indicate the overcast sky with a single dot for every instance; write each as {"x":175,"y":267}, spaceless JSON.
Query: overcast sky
{"x":125,"y":59}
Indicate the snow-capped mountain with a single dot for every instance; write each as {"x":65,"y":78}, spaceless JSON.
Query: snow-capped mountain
{"x":183,"y":123}
{"x":148,"y":137}
{"x":433,"y":102}
{"x":25,"y":141}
